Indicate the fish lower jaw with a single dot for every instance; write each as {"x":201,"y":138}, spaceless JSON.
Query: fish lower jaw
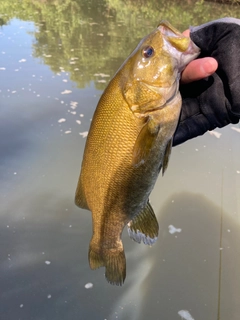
{"x":192,"y":53}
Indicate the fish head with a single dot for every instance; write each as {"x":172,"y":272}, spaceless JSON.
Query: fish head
{"x":152,"y":71}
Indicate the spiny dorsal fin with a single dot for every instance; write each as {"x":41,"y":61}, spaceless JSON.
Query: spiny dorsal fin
{"x":166,"y":156}
{"x":144,"y":226}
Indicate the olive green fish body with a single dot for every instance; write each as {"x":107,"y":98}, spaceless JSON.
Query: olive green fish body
{"x":129,"y":142}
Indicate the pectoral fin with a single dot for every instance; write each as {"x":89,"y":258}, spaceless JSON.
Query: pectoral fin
{"x":167,"y":156}
{"x":144,"y":227}
{"x":145,"y":142}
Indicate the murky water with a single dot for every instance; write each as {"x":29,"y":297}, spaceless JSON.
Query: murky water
{"x":55,"y":60}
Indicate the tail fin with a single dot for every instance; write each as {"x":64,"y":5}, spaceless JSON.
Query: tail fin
{"x":114,"y":261}
{"x":115,"y":264}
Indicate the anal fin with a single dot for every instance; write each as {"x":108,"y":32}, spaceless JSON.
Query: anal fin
{"x":80,"y":199}
{"x":144,"y":226}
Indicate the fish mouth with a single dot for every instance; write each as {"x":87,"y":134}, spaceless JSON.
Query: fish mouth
{"x":193,"y":49}
{"x":167,"y":29}
{"x":187,"y":50}
{"x":182,"y":43}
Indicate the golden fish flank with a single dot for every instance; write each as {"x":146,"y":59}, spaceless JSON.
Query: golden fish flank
{"x":129,"y":142}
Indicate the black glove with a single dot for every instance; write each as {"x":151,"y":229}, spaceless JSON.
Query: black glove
{"x":214,"y":101}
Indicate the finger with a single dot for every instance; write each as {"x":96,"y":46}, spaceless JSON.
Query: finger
{"x":186,"y":33}
{"x":199,"y":69}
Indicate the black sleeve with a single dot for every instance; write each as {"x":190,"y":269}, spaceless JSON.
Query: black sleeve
{"x":214,"y":101}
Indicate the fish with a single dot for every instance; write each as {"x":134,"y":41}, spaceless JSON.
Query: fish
{"x":129,"y":143}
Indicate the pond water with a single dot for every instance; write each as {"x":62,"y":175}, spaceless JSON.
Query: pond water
{"x":56,"y":57}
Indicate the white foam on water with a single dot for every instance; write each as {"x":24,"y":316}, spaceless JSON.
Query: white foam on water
{"x":61,"y":120}
{"x":184,"y":314}
{"x":173,"y":230}
{"x":88,"y":285}
{"x":215,"y":134}
{"x":235,"y":129}
{"x":73,"y":104}
{"x":66,"y":92}
{"x":84,"y":134}
{"x":103,"y":75}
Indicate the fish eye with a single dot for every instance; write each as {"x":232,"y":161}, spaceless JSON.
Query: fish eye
{"x":148,"y":52}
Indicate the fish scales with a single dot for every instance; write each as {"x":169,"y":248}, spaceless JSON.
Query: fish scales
{"x":108,"y":145}
{"x":129,"y":142}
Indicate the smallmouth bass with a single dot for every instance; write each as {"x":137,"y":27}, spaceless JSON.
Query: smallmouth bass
{"x":129,"y":142}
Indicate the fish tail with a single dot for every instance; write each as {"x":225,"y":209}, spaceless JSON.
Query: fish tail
{"x":115,"y":264}
{"x":113,"y":260}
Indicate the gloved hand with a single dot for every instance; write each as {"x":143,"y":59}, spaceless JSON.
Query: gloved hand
{"x":214,"y":101}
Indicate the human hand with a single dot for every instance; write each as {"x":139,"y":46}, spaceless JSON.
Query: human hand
{"x":199,"y":68}
{"x":214,"y":101}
